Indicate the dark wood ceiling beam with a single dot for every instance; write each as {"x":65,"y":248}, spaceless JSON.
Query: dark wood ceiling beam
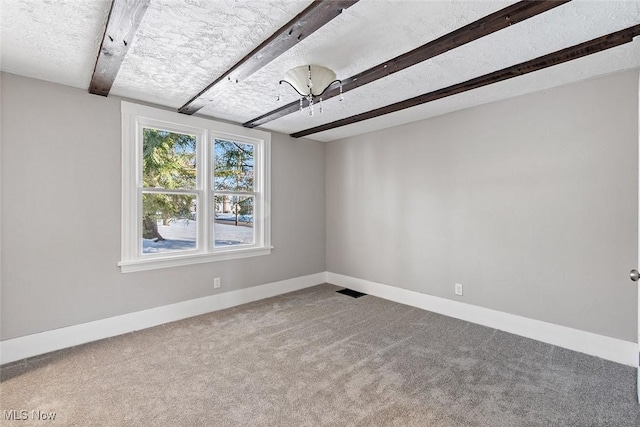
{"x":122,"y":25}
{"x":316,"y":15}
{"x":482,"y":27}
{"x":574,"y":52}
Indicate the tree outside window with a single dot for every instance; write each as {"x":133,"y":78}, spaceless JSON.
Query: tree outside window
{"x":193,"y":190}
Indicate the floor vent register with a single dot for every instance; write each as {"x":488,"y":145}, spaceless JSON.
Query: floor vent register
{"x":351,"y":293}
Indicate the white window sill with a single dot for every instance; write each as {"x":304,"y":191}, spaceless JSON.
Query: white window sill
{"x":179,"y":260}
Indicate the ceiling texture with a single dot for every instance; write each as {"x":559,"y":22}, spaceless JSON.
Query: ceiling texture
{"x":171,"y":52}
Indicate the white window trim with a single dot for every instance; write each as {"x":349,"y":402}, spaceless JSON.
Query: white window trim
{"x":133,"y":117}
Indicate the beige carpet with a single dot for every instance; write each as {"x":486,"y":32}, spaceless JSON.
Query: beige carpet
{"x":317,"y":357}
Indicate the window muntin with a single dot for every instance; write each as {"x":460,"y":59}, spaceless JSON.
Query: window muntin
{"x":194,"y":190}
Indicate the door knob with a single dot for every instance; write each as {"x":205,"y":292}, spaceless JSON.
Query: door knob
{"x":634,"y":275}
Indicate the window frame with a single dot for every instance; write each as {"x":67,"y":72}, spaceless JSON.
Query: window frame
{"x":135,"y":118}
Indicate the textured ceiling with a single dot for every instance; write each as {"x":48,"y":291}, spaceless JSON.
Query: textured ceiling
{"x":564,"y":26}
{"x":355,"y":41}
{"x":53,"y":40}
{"x":183,"y":45}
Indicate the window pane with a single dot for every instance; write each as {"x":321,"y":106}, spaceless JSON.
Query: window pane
{"x":234,"y":220}
{"x":168,"y":222}
{"x":169,"y":159}
{"x":233,"y":169}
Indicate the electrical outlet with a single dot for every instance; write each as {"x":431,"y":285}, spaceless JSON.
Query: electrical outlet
{"x":216,"y":282}
{"x":458,"y":289}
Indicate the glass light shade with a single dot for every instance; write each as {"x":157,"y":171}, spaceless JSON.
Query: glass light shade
{"x":321,"y":78}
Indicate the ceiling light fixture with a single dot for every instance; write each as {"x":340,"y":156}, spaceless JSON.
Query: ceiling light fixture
{"x":310,"y":81}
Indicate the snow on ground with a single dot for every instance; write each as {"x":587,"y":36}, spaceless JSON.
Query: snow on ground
{"x":180,"y":235}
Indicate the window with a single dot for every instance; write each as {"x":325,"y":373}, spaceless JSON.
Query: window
{"x":193,"y":190}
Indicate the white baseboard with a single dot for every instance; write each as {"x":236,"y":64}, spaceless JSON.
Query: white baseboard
{"x":44,"y":342}
{"x":613,"y":349}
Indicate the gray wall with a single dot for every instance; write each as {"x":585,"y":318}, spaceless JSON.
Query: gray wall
{"x":61,"y":215}
{"x":531,"y":203}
